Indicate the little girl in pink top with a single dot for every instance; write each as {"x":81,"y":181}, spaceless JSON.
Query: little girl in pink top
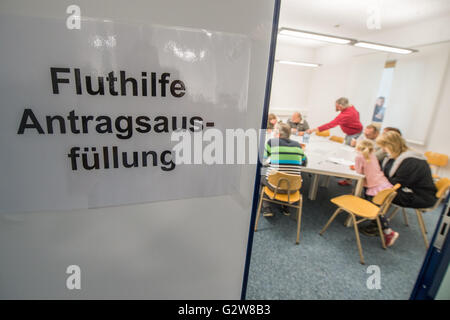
{"x":366,"y":163}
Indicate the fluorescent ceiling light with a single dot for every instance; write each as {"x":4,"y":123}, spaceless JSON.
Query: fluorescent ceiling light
{"x":382,"y":47}
{"x":329,"y":38}
{"x":314,"y":36}
{"x":304,"y":64}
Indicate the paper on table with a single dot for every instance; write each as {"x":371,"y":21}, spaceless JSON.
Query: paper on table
{"x":320,"y":151}
{"x":341,"y":161}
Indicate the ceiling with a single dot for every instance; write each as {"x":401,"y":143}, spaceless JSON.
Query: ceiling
{"x":352,"y":18}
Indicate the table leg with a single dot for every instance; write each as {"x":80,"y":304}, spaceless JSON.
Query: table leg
{"x":359,"y":187}
{"x":313,"y":187}
{"x":325,"y":182}
{"x":348,"y":221}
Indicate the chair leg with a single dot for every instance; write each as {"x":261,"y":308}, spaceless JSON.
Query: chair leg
{"x":299,"y":222}
{"x":422,"y":227}
{"x":330,"y":220}
{"x":380,"y":230}
{"x":348,"y":221}
{"x":405,"y":217}
{"x":393,"y":214}
{"x":358,"y":241}
{"x":258,"y":212}
{"x":423,"y":223}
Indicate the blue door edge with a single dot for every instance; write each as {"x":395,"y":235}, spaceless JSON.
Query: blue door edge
{"x":435,"y":264}
{"x":276,"y":16}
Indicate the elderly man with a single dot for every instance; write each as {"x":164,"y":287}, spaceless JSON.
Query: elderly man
{"x":348,"y":120}
{"x":297,"y":124}
{"x":371,"y":133}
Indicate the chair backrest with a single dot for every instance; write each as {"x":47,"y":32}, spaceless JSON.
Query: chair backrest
{"x":442,"y":185}
{"x":325,"y":133}
{"x":337,"y":139}
{"x":281,"y":181}
{"x":436,"y":159}
{"x":385,"y":197}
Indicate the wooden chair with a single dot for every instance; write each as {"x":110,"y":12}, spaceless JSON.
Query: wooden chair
{"x":366,"y":210}
{"x":337,"y":139}
{"x":289,"y":185}
{"x":442,"y":186}
{"x":436,"y":161}
{"x":325,"y":133}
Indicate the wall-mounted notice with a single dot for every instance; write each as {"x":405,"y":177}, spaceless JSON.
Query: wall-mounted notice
{"x":87,"y":115}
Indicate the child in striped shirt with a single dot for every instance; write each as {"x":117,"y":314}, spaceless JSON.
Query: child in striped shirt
{"x":285,"y":155}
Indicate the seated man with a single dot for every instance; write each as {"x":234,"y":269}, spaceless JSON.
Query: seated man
{"x":370,"y":133}
{"x":286,"y":156}
{"x":297,"y":124}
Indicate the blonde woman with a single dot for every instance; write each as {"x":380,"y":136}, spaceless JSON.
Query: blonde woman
{"x":410,"y":169}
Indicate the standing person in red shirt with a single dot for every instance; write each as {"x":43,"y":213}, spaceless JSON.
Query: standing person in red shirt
{"x":348,"y":120}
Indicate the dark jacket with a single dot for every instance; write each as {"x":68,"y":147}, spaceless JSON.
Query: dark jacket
{"x":412,"y":171}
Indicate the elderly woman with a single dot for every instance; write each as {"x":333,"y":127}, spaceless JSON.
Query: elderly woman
{"x":410,"y":169}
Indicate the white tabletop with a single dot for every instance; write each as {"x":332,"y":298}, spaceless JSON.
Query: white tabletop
{"x":328,"y":157}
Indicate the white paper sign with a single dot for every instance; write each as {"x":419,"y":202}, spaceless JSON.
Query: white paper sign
{"x":87,"y":115}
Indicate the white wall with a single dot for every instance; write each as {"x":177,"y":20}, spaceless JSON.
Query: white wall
{"x":421,"y":33}
{"x":322,"y":86}
{"x":439,"y":135}
{"x":291,"y":84}
{"x":326,"y":87}
{"x":416,"y":85}
{"x":347,"y":72}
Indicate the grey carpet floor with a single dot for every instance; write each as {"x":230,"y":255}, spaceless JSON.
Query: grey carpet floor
{"x":327,"y":267}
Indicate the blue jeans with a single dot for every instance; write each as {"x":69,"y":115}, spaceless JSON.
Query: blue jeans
{"x":348,"y":139}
